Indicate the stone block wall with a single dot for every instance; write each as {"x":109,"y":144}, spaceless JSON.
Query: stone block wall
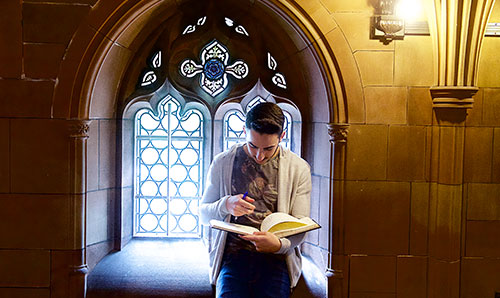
{"x":388,"y":206}
{"x":41,"y":199}
{"x":390,"y":194}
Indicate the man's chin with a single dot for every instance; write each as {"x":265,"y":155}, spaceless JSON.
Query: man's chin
{"x":261,"y":162}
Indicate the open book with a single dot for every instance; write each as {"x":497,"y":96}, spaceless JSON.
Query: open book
{"x":278,"y":223}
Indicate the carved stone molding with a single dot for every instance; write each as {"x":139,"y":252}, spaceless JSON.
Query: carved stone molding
{"x":79,"y":128}
{"x":338,"y":132}
{"x":456,"y":97}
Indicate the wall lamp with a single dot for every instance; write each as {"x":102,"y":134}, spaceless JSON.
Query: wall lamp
{"x":385,"y":24}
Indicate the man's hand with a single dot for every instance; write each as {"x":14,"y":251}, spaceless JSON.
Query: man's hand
{"x":264,"y":241}
{"x":238,"y":206}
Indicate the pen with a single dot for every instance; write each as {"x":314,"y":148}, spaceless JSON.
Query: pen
{"x":243,"y":197}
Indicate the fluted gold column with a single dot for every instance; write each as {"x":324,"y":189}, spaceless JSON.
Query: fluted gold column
{"x":457,"y":28}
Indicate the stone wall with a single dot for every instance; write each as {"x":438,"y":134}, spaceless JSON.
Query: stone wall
{"x":50,"y":170}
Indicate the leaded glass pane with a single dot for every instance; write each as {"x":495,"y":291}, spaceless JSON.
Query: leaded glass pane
{"x":168,"y":171}
{"x":234,"y":121}
{"x":287,"y":128}
{"x":254,"y":102}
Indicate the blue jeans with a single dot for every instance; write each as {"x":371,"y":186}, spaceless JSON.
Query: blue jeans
{"x":253,"y":274}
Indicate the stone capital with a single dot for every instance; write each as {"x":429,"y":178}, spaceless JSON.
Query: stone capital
{"x":455,"y":97}
{"x":79,"y":128}
{"x":338,"y":132}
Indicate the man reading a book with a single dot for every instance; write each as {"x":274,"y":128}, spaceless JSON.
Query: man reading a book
{"x":245,"y":184}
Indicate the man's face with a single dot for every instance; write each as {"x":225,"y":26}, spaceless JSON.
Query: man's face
{"x":262,"y":147}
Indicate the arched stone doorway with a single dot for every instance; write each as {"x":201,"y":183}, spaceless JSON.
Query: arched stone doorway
{"x":102,"y":52}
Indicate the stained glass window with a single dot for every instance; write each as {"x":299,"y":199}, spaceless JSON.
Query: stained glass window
{"x":168,"y":178}
{"x":170,"y":142}
{"x":214,"y":68}
{"x":234,"y":120}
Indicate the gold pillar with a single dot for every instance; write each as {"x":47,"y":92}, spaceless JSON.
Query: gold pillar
{"x":335,"y":272}
{"x":457,"y":28}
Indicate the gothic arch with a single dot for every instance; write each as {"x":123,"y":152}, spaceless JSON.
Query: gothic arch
{"x":93,"y":75}
{"x":103,"y":46}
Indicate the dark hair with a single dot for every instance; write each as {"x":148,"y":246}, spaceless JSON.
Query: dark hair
{"x":266,"y":117}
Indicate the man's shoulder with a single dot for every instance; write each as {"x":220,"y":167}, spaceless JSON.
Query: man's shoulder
{"x":294,"y":159}
{"x":226,"y":154}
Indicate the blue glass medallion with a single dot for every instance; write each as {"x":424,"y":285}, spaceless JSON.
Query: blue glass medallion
{"x":213,"y":69}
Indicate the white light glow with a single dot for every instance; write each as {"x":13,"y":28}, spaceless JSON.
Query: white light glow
{"x":409,"y":10}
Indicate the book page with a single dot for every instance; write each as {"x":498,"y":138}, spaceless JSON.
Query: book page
{"x":277,"y":218}
{"x":294,"y":231}
{"x":284,"y":225}
{"x":232,"y":227}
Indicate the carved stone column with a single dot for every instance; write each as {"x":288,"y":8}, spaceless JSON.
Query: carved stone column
{"x":78,"y":180}
{"x":335,"y":270}
{"x":457,"y":28}
{"x":69,"y":267}
{"x":78,"y":186}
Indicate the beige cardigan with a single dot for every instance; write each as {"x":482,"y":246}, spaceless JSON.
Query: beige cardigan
{"x":294,"y":191}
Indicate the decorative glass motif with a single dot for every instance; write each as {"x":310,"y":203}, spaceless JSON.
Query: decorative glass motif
{"x":148,"y":78}
{"x":271,"y":63}
{"x":234,"y":120}
{"x":192,"y":28}
{"x":239,"y":29}
{"x":229,"y":22}
{"x":189,"y":29}
{"x":278,"y":79}
{"x":168,"y":171}
{"x":157,"y":60}
{"x":214,"y":68}
{"x":201,"y":21}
